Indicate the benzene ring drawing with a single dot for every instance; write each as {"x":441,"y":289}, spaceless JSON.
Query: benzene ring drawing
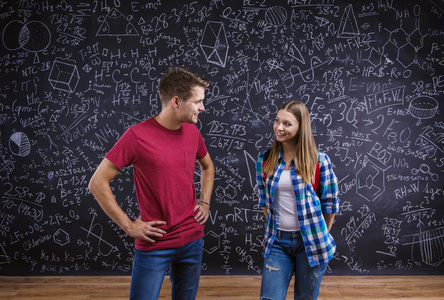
{"x":370,"y":181}
{"x":211,"y":242}
{"x":214,"y":43}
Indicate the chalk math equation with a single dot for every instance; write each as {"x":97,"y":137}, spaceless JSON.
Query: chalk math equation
{"x":76,"y":74}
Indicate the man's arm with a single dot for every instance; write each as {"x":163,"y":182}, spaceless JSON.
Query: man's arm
{"x":99,"y":185}
{"x":206,"y":188}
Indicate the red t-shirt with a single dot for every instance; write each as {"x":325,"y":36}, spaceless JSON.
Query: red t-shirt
{"x":163,"y":163}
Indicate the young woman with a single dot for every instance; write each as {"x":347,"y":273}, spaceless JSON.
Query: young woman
{"x":297,"y":239}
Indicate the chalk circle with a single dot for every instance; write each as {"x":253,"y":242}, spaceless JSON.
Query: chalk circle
{"x":10,"y":35}
{"x":423,"y":107}
{"x":19,"y":144}
{"x":33,"y":36}
{"x":276,"y":15}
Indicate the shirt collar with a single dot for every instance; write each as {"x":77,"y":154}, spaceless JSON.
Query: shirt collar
{"x":281,"y":159}
{"x":281,"y":156}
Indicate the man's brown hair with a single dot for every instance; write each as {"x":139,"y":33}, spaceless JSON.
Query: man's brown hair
{"x":179,"y":81}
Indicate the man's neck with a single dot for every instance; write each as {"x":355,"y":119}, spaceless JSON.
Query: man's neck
{"x":168,"y":121}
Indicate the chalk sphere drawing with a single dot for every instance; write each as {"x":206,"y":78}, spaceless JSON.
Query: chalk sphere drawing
{"x":19,"y":144}
{"x":276,"y":16}
{"x":423,"y":107}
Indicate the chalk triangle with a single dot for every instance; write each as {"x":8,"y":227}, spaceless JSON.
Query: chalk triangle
{"x":322,"y":21}
{"x":349,"y":26}
{"x":294,"y":52}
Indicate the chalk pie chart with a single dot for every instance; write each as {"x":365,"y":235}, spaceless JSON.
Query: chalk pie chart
{"x":19,"y":144}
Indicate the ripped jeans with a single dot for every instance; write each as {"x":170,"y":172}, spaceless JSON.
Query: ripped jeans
{"x":288,"y":257}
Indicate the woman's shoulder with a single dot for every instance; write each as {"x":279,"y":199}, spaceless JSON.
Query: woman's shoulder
{"x":323,"y":157}
{"x":264,"y":155}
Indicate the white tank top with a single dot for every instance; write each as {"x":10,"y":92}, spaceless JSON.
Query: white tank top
{"x":285,"y":204}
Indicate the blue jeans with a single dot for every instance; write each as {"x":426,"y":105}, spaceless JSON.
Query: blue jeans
{"x":288,"y":257}
{"x":150,"y":267}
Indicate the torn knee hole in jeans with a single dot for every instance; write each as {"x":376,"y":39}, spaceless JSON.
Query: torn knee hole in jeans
{"x":271,"y":268}
{"x":266,"y":298}
{"x":317,"y":274}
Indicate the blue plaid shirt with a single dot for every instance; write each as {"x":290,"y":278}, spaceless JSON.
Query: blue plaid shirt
{"x":319,"y":244}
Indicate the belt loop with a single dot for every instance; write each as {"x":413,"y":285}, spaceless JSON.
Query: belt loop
{"x":279,"y":234}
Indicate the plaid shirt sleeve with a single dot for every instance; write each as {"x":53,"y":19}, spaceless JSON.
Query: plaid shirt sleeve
{"x":328,"y":184}
{"x":260,"y":179}
{"x":267,"y":186}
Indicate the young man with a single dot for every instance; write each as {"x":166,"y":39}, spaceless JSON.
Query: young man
{"x":163,"y":151}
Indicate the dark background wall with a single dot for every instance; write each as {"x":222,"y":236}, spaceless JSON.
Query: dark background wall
{"x":76,"y":74}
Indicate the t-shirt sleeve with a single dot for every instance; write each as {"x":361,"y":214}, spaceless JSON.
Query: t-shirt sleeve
{"x":123,"y":153}
{"x":201,"y":148}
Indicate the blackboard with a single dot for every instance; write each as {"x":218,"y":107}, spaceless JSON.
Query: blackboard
{"x":76,"y":74}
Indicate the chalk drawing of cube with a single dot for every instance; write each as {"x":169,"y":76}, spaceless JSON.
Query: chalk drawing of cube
{"x":64,"y":76}
{"x":214,"y":43}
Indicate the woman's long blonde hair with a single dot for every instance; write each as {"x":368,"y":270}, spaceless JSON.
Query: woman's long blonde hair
{"x":306,"y":155}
